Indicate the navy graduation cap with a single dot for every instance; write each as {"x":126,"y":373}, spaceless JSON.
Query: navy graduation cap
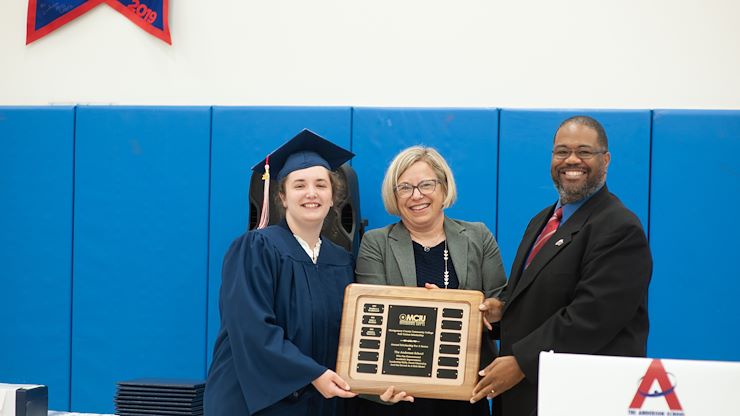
{"x":305,"y":150}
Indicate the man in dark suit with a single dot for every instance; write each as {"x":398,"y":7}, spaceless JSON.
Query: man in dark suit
{"x":580,"y":278}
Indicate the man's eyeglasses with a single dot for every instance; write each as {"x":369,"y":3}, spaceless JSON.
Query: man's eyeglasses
{"x":563,"y":153}
{"x":425,"y":187}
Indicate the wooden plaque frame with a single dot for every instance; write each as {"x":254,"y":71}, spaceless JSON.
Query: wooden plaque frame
{"x":433,"y":335}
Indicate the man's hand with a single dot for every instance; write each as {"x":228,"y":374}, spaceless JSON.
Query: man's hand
{"x":391,"y":396}
{"x":501,"y":375}
{"x":331,"y":385}
{"x":492,"y":309}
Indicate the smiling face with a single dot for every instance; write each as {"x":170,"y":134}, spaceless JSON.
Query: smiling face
{"x":307,"y":196}
{"x":576,"y":178}
{"x":421,"y":212}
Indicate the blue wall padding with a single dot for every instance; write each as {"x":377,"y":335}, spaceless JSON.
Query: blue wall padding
{"x":140,"y":248}
{"x":242,"y":136}
{"x":525,"y":184}
{"x":114,"y":221}
{"x":36,"y":164}
{"x":694,"y":200}
{"x":466,"y":138}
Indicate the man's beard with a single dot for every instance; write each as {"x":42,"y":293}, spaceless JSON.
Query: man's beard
{"x":591,"y":185}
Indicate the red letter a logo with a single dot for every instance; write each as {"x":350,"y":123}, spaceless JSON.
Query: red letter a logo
{"x":656,"y":372}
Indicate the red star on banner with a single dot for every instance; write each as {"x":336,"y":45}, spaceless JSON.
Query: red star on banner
{"x":45,"y":16}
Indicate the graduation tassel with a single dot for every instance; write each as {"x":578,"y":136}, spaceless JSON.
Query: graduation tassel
{"x":265,"y":217}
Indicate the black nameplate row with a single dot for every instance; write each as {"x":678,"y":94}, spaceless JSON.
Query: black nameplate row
{"x":368,"y":356}
{"x":446,"y":373}
{"x":373,"y":308}
{"x":451,"y":336}
{"x":371,"y":344}
{"x":367,"y":368}
{"x":454,"y":325}
{"x":452,"y":313}
{"x":374,"y":319}
{"x":368,"y":331}
{"x":449,"y":349}
{"x":448,"y":361}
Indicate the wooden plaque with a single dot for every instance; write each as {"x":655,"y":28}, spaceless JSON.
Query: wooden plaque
{"x":425,"y":342}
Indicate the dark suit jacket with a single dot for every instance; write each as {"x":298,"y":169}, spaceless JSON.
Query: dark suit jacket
{"x":584,"y":292}
{"x":387,"y":258}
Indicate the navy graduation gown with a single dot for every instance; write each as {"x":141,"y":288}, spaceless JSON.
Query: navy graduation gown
{"x":280,"y":317}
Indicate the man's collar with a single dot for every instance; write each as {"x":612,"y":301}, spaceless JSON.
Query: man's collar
{"x":571,"y":207}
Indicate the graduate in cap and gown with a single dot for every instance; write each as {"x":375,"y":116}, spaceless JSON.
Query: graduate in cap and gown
{"x":281,"y":296}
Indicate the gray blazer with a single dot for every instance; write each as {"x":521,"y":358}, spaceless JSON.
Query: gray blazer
{"x":387,"y":257}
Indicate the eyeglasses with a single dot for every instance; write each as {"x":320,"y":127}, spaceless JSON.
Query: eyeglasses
{"x":583,"y":154}
{"x":425,"y":187}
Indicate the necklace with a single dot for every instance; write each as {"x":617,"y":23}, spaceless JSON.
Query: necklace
{"x":447,"y":273}
{"x":433,"y":242}
{"x":427,"y":260}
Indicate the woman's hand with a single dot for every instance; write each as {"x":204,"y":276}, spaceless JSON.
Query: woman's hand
{"x":391,"y":396}
{"x":431,"y":286}
{"x":331,"y":385}
{"x":492,"y":309}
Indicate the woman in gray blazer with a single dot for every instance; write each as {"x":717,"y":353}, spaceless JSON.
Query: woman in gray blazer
{"x":428,"y":249}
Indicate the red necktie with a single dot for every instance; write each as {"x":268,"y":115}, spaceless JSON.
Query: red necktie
{"x":547,"y":232}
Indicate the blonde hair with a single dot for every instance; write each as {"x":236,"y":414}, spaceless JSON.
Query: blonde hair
{"x":403,"y":161}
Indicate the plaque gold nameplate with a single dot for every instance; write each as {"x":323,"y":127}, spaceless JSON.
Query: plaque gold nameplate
{"x":425,"y":342}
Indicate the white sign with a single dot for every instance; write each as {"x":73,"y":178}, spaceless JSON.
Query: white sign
{"x":587,"y":385}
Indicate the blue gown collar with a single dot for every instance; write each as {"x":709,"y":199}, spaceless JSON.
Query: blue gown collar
{"x":330,"y":253}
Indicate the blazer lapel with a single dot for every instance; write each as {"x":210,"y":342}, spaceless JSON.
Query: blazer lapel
{"x":403,"y":253}
{"x":457,"y":245}
{"x":555,"y":245}
{"x":517,"y":268}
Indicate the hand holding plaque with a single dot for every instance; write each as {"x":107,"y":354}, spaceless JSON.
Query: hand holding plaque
{"x":425,"y":342}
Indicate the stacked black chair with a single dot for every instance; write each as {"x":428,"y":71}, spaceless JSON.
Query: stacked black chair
{"x":148,"y":397}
